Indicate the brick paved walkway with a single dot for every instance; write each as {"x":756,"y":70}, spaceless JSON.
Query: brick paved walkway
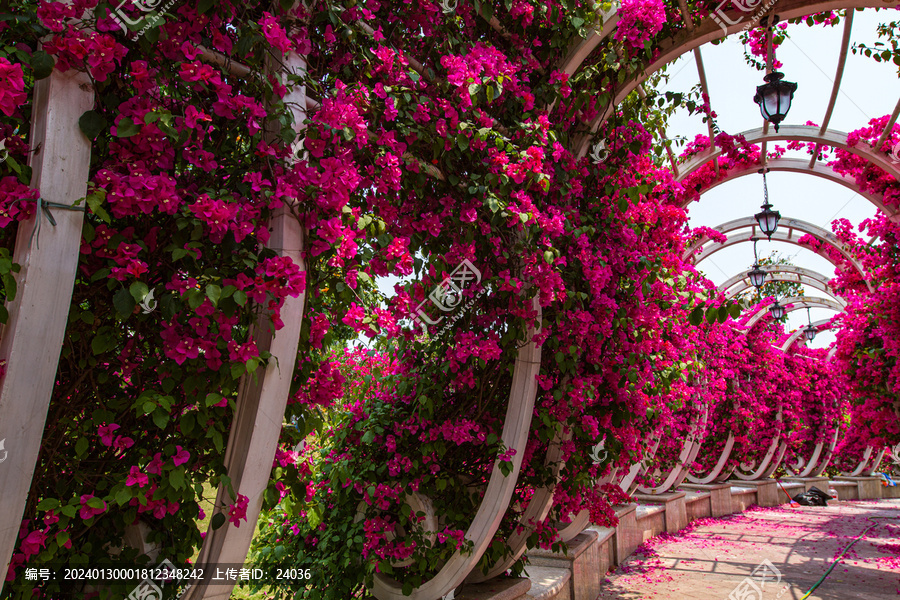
{"x":714,"y":559}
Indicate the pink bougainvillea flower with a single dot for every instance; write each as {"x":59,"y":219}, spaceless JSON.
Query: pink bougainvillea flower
{"x":136,"y":477}
{"x":33,"y":543}
{"x":238,"y":510}
{"x":181,"y":456}
{"x":12,"y":87}
{"x":106,"y":434}
{"x":155,"y":465}
{"x":122,"y":442}
{"x":87,"y":511}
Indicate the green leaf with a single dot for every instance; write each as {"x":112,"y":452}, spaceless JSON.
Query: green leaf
{"x":69,"y":510}
{"x":103,"y":341}
{"x":95,"y":202}
{"x":213,"y":399}
{"x":148,"y":407}
{"x":368,"y":437}
{"x":696,"y":316}
{"x":139,"y":291}
{"x":48,"y":504}
{"x":62,"y":537}
{"x":723,"y":313}
{"x":214,"y":292}
{"x":204,"y":6}
{"x":124,"y":303}
{"x":161,"y":418}
{"x":127,"y":128}
{"x":217,"y":521}
{"x":9,"y":283}
{"x":123,"y":496}
{"x":237,"y":369}
{"x":92,"y":123}
{"x":42,"y":64}
{"x":176,"y":478}
{"x":81,"y":447}
{"x":188,"y":421}
{"x":240,"y":297}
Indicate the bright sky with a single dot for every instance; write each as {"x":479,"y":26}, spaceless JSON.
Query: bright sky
{"x":809,"y":56}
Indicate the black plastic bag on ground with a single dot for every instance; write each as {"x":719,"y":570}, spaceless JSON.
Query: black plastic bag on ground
{"x":814,"y":497}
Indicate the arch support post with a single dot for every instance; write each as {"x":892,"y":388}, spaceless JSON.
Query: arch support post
{"x":32,"y":340}
{"x":262,"y":397}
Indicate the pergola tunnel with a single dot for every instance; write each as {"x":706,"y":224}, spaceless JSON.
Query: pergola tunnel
{"x":445,"y":300}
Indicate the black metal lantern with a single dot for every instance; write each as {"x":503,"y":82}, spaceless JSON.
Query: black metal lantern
{"x":809,"y":332}
{"x":768,"y":218}
{"x":757,"y":276}
{"x":777,"y":311}
{"x":774,"y":97}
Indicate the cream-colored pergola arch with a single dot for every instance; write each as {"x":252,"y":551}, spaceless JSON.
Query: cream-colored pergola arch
{"x":788,"y":165}
{"x":789,"y":231}
{"x":792,"y":339}
{"x":800,"y":133}
{"x":795,"y":303}
{"x":785,"y":273}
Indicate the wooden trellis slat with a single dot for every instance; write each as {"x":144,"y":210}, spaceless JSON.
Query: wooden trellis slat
{"x":261,"y":401}
{"x":37,"y":323}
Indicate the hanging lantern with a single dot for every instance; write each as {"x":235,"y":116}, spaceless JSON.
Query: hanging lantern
{"x":774,"y":98}
{"x":757,"y":277}
{"x":768,"y":218}
{"x":777,"y":311}
{"x":810,"y":333}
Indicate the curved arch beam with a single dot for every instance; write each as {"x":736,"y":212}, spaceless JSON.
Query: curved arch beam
{"x":707,"y":30}
{"x":800,"y":133}
{"x":785,"y":233}
{"x":784,"y":273}
{"x":820,"y":325}
{"x":795,"y":303}
{"x":788,"y":165}
{"x":498,"y":494}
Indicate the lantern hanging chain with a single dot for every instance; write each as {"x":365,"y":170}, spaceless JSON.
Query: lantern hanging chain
{"x":44,"y":206}
{"x":765,"y":189}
